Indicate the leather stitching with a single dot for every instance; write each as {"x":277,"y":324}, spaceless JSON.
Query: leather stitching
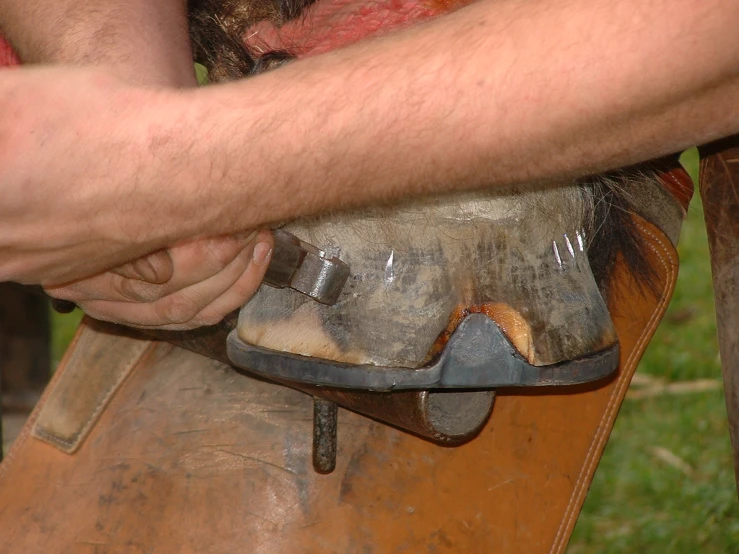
{"x":70,"y":446}
{"x":31,"y":422}
{"x":605,"y":425}
{"x":29,"y":428}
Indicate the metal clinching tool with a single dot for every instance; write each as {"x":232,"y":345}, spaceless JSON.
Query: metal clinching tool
{"x":294,"y":264}
{"x":303,"y":267}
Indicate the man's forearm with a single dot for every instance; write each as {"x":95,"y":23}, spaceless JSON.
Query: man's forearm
{"x":142,"y":41}
{"x":501,"y":92}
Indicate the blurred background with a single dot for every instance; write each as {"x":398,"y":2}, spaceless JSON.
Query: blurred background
{"x":665,"y":483}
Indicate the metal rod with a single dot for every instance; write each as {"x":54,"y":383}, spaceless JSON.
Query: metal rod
{"x":325,"y":422}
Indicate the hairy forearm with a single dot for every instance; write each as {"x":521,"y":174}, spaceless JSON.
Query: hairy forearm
{"x":142,"y":41}
{"x":501,"y":92}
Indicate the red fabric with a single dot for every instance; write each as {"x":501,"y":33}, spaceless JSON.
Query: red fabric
{"x":330,"y":24}
{"x":679,"y":183}
{"x":7,"y":56}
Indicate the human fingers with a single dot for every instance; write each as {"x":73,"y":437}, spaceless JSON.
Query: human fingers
{"x":192,"y":263}
{"x":240,"y":292}
{"x":156,"y":268}
{"x":204,"y":303}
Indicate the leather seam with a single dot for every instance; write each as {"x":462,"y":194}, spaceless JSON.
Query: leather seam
{"x":615,"y":401}
{"x":31,"y":421}
{"x":71,"y":446}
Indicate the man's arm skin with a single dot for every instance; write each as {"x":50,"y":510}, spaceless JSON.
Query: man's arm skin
{"x":144,"y":43}
{"x":498,"y":93}
{"x":501,"y":92}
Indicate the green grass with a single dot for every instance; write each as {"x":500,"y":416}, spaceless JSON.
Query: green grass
{"x":63,"y":327}
{"x":638,"y":502}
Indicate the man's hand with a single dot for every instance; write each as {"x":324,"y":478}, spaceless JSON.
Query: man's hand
{"x":212,"y":277}
{"x":85,"y":209}
{"x":142,"y":43}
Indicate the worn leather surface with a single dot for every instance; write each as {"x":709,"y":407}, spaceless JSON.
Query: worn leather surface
{"x":416,"y":412}
{"x":190,"y":456}
{"x":720,"y":193}
{"x":95,"y":368}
